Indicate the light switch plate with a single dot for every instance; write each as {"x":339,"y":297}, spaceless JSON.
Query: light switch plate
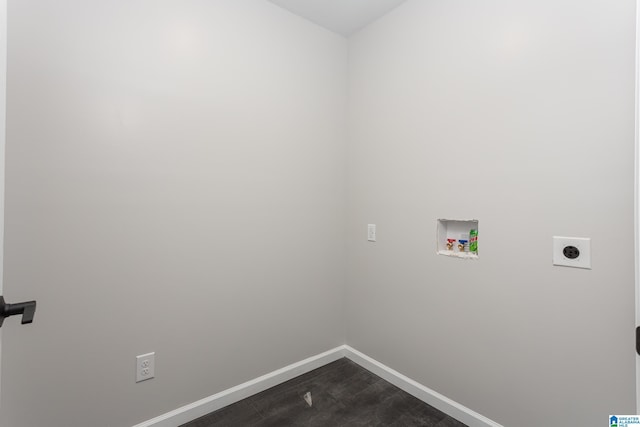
{"x":572,"y":251}
{"x":371,"y":232}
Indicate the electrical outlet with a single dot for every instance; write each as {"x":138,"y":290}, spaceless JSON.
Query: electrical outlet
{"x":145,"y":366}
{"x":371,"y":232}
{"x":572,"y":252}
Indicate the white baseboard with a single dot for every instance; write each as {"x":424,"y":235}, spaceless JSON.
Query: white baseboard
{"x":235,"y":394}
{"x":433,"y":398}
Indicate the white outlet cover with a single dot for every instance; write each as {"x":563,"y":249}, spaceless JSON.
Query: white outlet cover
{"x":145,"y":366}
{"x":582,"y":243}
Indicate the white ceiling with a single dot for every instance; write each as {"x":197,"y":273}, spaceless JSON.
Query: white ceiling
{"x":342,"y":16}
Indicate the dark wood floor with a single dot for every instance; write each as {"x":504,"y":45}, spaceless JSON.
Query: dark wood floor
{"x":343,"y":394}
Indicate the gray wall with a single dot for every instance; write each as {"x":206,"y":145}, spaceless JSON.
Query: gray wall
{"x":175,"y":183}
{"x":176,"y":179}
{"x":519,"y":114}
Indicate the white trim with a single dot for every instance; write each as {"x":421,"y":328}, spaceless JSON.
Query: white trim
{"x":227,"y":397}
{"x":433,"y":398}
{"x":637,"y":197}
{"x":235,"y":394}
{"x":3,"y":128}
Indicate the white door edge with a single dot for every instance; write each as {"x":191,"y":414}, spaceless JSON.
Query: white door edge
{"x":637,"y":197}
{"x":3,"y":115}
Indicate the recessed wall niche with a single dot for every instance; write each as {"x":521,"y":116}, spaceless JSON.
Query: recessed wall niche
{"x":458,"y":238}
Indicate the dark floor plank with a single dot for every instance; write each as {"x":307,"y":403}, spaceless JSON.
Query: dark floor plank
{"x":238,"y":414}
{"x":450,"y":422}
{"x":344,"y":395}
{"x":319,"y":383}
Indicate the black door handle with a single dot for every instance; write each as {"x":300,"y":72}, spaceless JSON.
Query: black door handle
{"x":27,"y":309}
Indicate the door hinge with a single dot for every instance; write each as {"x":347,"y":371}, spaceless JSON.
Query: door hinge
{"x":638,"y":340}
